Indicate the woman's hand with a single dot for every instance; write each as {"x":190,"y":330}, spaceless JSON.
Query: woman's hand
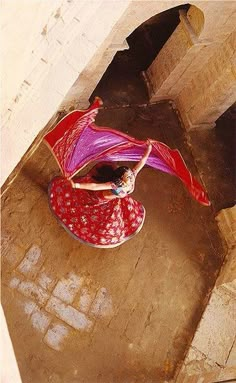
{"x":74,"y":185}
{"x":149,"y":144}
{"x":143,"y":160}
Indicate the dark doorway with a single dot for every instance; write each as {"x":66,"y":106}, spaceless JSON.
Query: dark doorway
{"x":122,"y":83}
{"x":214,"y":152}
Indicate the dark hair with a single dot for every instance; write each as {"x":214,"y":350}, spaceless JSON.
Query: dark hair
{"x":106,"y":173}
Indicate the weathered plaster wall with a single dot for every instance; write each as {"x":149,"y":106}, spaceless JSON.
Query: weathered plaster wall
{"x":23,"y":25}
{"x":47,"y":45}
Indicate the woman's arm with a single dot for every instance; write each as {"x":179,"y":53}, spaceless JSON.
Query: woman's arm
{"x":143,"y":161}
{"x":92,"y":186}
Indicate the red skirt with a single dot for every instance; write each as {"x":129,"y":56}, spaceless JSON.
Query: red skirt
{"x":91,"y":218}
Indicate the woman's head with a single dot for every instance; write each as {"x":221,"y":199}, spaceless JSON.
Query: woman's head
{"x":120,"y":176}
{"x":123,"y":176}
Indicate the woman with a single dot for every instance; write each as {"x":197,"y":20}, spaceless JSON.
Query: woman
{"x":97,"y":208}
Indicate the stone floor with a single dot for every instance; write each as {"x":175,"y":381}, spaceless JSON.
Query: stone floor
{"x":126,"y":315}
{"x":79,"y":314}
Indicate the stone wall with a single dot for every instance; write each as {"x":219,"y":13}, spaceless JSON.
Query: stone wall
{"x":212,"y":90}
{"x":167,"y":74}
{"x":196,"y":66}
{"x":212,"y":353}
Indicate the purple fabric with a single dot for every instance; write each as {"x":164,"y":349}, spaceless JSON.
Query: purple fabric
{"x":90,"y":144}
{"x":93,"y":144}
{"x":135,"y":155}
{"x":77,"y":142}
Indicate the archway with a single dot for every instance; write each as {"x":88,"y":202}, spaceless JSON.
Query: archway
{"x":123,"y":78}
